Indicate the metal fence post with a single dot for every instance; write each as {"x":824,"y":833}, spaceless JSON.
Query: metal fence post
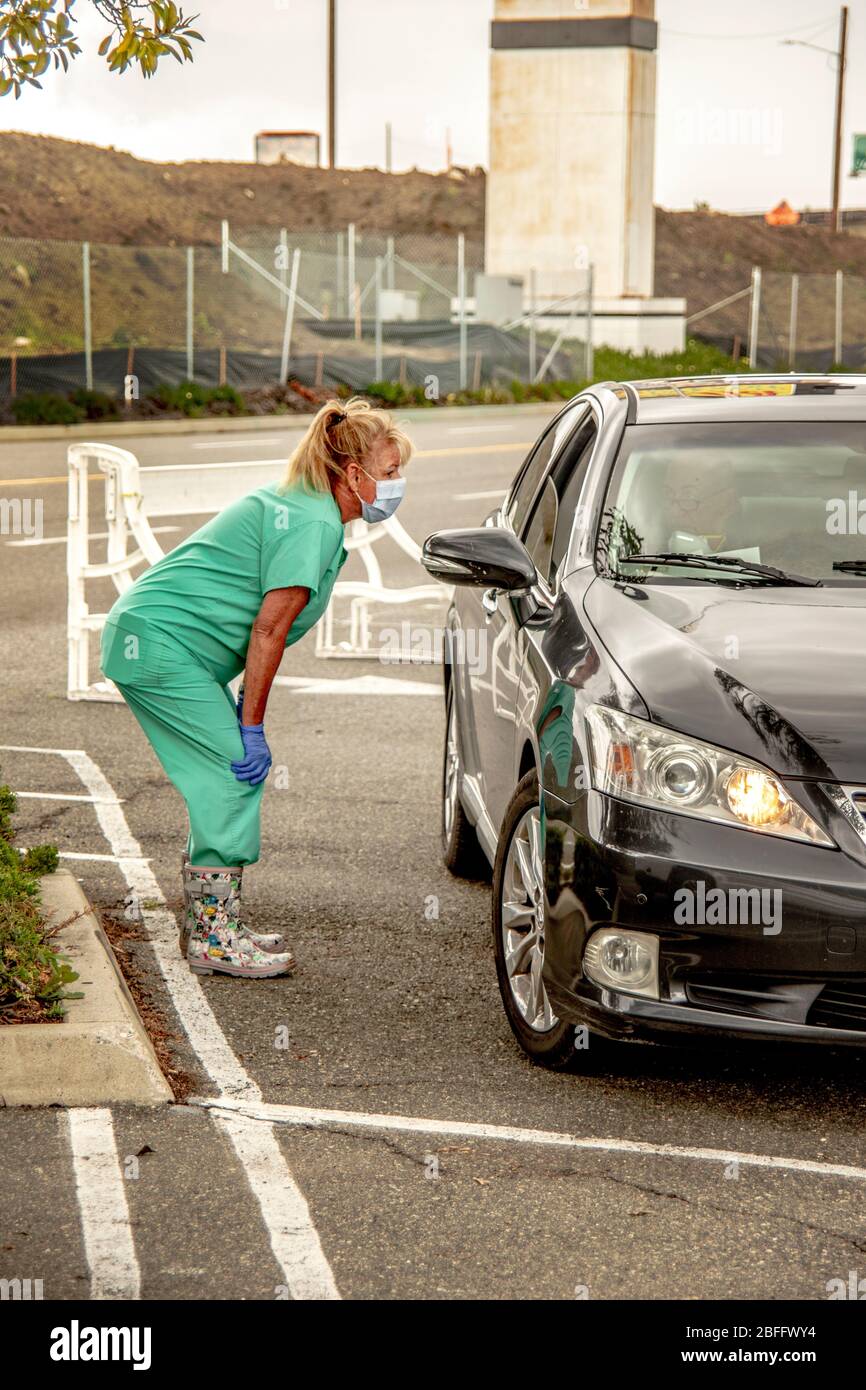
{"x":290,"y":314}
{"x":341,"y":307}
{"x":284,"y":257}
{"x":589,"y":354}
{"x":461,"y":292}
{"x":224,"y":246}
{"x":389,"y":264}
{"x":350,"y":263}
{"x":532,"y":330}
{"x":190,"y":300}
{"x":379,"y":318}
{"x":754,"y":316}
{"x":792,"y":322}
{"x":88,"y":334}
{"x":837,"y":337}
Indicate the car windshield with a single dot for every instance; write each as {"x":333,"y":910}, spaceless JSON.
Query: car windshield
{"x":791,"y":495}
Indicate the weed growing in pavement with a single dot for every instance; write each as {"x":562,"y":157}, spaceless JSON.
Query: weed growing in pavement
{"x":33,"y":977}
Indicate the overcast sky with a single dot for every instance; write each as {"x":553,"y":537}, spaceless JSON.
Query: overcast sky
{"x":742,"y":120}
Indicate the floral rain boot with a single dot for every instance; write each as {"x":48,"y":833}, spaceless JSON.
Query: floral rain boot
{"x":218,"y":942}
{"x":266,"y":941}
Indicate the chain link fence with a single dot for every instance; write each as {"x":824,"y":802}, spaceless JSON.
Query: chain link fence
{"x":786,"y":322}
{"x":326,"y":308}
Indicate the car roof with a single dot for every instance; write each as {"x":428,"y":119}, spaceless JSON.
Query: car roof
{"x":752,"y":396}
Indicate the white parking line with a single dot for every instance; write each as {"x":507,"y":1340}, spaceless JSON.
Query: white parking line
{"x":62,"y":796}
{"x":480,"y":429}
{"x":304,"y":1118}
{"x":102,"y":858}
{"x":99,"y":1185}
{"x":208,"y":467}
{"x":94,"y":536}
{"x":357,"y":685}
{"x":477,"y":496}
{"x":235,"y":444}
{"x":285,"y":1213}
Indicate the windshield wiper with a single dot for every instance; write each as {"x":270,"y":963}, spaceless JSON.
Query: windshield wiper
{"x":732,"y":562}
{"x":850,"y":566}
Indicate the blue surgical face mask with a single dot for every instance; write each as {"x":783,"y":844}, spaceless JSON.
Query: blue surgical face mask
{"x":389,"y":494}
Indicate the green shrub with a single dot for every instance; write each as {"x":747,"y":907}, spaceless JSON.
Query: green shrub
{"x":33,"y":977}
{"x":189,"y":397}
{"x":696,"y":359}
{"x":97,"y":405}
{"x":389,"y":392}
{"x":45,"y":408}
{"x":195,"y":400}
{"x":225,"y":400}
{"x":486,"y":395}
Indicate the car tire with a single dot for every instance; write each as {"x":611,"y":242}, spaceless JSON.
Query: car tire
{"x":522,"y":989}
{"x":461,"y":851}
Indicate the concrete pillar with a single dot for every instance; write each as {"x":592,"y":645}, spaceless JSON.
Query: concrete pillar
{"x":572,"y":144}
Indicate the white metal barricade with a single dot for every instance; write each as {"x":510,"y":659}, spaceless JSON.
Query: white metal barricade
{"x":362,"y":594}
{"x":124,"y":517}
{"x":134,"y":495}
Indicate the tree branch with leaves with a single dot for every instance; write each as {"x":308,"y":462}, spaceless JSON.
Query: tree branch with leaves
{"x":34,"y":34}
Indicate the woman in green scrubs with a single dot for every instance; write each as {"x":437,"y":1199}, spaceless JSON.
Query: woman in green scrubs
{"x":231,"y":598}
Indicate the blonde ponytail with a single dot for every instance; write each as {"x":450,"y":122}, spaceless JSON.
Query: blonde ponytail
{"x":342,"y":431}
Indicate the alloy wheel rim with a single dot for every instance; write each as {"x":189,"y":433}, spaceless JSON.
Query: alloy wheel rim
{"x":522,"y":919}
{"x":451,"y":776}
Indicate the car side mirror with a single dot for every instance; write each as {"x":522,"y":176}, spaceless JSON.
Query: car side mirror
{"x":484,"y":557}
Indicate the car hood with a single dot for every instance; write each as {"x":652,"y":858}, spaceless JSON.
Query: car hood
{"x":778,"y":674}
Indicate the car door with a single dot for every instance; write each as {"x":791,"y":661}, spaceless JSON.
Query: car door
{"x":495,"y":679}
{"x":543,"y":715}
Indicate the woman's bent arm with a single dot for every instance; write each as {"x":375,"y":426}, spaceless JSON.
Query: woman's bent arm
{"x":279,"y":610}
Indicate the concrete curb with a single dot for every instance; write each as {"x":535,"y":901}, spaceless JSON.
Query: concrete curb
{"x":101,"y":1052}
{"x":231,"y":424}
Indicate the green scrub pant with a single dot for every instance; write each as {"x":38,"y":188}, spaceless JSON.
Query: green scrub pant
{"x":190,"y":718}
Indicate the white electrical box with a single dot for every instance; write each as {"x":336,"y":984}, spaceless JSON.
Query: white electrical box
{"x":400,"y":306}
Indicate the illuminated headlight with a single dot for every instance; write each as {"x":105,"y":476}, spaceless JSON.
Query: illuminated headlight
{"x":638,"y":761}
{"x":627,"y":961}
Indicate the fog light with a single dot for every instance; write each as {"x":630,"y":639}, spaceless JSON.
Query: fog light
{"x":627,"y":961}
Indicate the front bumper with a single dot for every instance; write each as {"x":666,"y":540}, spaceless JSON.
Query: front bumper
{"x":798,"y":974}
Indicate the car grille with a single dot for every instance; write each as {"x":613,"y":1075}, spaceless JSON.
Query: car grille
{"x":786,"y":1001}
{"x":840,"y":1006}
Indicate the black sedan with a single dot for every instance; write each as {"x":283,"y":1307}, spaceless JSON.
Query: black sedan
{"x":655,"y":687}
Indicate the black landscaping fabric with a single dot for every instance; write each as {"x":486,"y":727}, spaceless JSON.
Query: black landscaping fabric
{"x":503,"y":357}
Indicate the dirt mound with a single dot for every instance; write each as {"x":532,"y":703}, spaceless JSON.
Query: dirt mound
{"x":59,"y":189}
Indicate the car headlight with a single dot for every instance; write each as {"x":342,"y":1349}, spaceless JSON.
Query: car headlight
{"x":638,"y":761}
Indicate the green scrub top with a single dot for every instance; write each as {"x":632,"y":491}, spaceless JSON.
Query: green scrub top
{"x":207,"y":592}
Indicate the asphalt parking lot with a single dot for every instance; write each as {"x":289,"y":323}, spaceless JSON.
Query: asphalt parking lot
{"x":368,"y":1128}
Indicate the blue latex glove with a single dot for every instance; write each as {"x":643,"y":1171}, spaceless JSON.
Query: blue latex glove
{"x":256,"y":762}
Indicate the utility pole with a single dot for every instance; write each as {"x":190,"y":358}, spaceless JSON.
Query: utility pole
{"x":840,"y":106}
{"x":332,"y":83}
{"x":388,"y":168}
{"x":840,"y":55}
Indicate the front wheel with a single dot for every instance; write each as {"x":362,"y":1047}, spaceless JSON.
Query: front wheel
{"x":518,"y":933}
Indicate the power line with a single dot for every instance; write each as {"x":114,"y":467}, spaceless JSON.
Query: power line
{"x":812,"y":27}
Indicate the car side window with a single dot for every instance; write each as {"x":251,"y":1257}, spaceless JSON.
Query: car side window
{"x":549,"y":528}
{"x":574,"y":471}
{"x":520,"y":500}
{"x":542,"y":528}
{"x":523,"y":493}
